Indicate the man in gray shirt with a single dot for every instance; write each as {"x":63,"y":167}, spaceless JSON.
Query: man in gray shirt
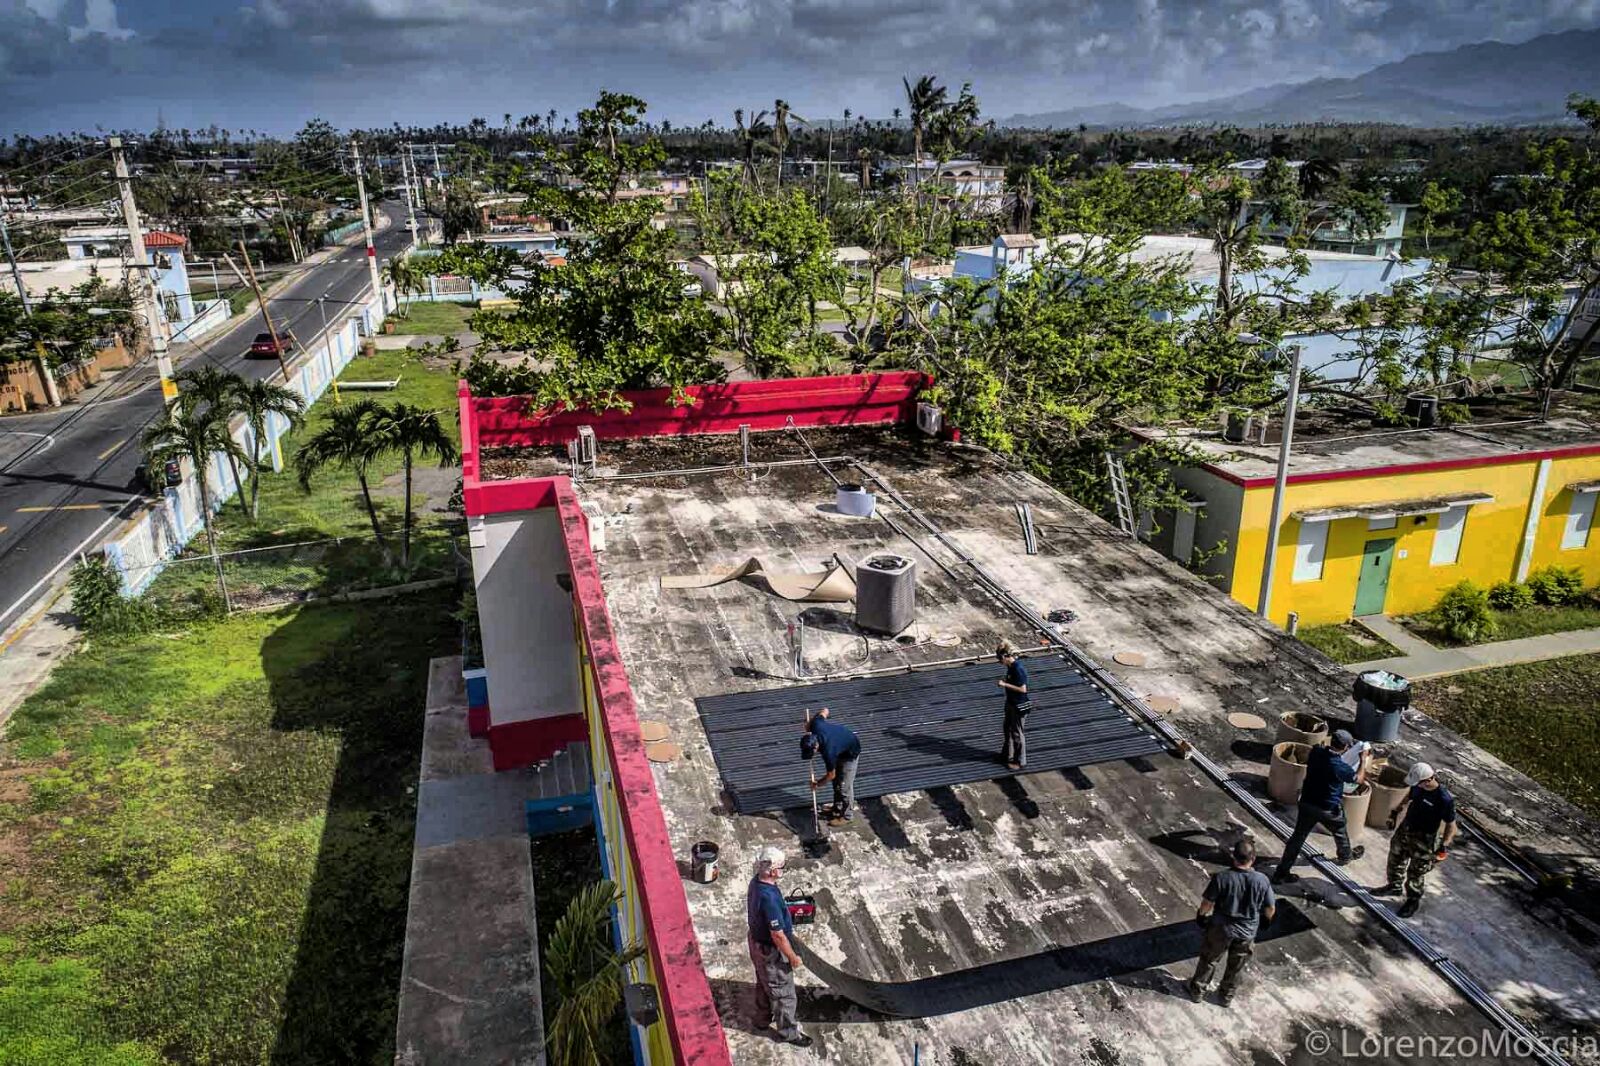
{"x":1232,"y":908}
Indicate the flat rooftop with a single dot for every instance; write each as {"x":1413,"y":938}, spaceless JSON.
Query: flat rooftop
{"x":971,"y":889}
{"x":1201,"y":260}
{"x":1329,"y":444}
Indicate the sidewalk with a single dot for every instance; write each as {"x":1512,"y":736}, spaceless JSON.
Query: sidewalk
{"x":1422,"y":660}
{"x":30,"y":649}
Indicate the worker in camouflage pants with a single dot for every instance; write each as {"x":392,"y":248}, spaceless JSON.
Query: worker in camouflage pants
{"x":1417,"y":846}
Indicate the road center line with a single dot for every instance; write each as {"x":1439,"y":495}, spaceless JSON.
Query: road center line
{"x":69,"y":507}
{"x":107,"y":453}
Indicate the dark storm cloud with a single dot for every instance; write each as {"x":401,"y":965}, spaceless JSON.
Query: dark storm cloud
{"x":271,"y":62}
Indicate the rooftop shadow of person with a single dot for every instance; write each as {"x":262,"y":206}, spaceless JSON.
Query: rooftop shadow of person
{"x":360,"y":671}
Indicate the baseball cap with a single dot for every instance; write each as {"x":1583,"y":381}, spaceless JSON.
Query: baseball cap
{"x":1419,"y":772}
{"x":1342,"y":738}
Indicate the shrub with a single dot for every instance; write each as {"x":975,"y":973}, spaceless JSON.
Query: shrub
{"x":98,"y":601}
{"x":1463,"y":614}
{"x":1510,"y":596}
{"x":1556,"y":586}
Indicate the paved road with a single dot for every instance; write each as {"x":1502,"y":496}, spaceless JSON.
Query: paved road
{"x":67,"y":474}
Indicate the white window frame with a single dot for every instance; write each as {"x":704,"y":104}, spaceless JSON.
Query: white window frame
{"x":1376,"y":524}
{"x":1310,"y":550}
{"x":1447,"y":537}
{"x":1580,"y":520}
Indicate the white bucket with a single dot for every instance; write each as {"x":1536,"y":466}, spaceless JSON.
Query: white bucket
{"x":854,"y":500}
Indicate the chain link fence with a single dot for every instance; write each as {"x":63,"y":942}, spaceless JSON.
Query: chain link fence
{"x":280,"y":574}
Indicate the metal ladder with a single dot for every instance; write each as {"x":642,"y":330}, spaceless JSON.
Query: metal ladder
{"x":1119,"y":493}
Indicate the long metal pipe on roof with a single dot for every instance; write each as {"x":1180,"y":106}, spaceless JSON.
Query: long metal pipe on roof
{"x":1462,"y":981}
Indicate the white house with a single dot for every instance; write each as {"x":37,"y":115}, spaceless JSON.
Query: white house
{"x":1347,"y":275}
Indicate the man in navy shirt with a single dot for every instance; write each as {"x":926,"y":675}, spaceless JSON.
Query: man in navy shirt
{"x":1416,"y":846}
{"x":840,"y":748}
{"x":1235,"y":903}
{"x":1014,"y":745}
{"x":1322,"y":803}
{"x":770,"y":950}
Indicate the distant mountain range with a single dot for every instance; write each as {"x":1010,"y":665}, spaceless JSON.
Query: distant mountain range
{"x":1488,"y":83}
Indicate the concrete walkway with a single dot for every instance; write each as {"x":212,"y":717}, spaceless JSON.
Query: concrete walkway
{"x":33,"y":645}
{"x":1420,"y":660}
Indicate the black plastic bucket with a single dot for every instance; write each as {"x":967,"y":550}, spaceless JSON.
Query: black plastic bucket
{"x":703,"y":862}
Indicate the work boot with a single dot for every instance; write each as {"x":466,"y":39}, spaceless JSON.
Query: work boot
{"x":1355,"y":853}
{"x":838,"y":818}
{"x":1388,"y":888}
{"x":1285,"y":877}
{"x":1410,"y":906}
{"x":1225,"y":997}
{"x":800,"y":1040}
{"x":1196,"y":993}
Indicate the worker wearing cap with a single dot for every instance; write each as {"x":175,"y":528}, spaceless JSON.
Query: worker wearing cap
{"x":1235,"y":903}
{"x":1416,"y":846}
{"x":1322,"y":803}
{"x":840,"y":749}
{"x":771,"y":950}
{"x":1014,"y":743}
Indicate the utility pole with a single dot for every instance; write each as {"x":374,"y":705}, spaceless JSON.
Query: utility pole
{"x":46,"y":375}
{"x":288,"y":229}
{"x":144,"y":292}
{"x":366,"y":221}
{"x":411,"y":202}
{"x":266,"y":315}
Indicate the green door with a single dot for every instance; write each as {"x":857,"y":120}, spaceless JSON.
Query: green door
{"x":1373,"y":587}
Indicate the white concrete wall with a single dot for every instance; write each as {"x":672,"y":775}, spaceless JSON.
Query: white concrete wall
{"x":526,"y":616}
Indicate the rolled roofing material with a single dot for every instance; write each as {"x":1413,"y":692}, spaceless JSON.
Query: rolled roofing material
{"x":1029,"y":975}
{"x":833,"y":585}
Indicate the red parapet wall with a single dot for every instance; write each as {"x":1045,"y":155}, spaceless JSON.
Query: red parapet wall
{"x":687,"y":1007}
{"x":843,"y":400}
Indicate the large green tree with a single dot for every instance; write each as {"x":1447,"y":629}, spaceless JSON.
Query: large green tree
{"x":1538,"y":260}
{"x":616,"y":312}
{"x":775,"y":256}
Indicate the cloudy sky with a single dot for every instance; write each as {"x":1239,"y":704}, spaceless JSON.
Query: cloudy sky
{"x":270,"y":64}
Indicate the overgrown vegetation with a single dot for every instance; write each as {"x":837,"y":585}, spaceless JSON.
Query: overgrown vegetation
{"x":192,"y":823}
{"x":1552,"y":600}
{"x":1463,"y":614}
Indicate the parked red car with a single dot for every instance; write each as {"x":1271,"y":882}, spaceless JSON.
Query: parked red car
{"x":268,"y":346}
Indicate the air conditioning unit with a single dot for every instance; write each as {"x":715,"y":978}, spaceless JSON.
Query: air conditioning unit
{"x":929,"y":419}
{"x":886,"y":593}
{"x":588,"y":450}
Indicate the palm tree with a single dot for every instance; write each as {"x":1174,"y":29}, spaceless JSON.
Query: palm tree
{"x":411,"y":431}
{"x":256,"y":400}
{"x":780,"y":131}
{"x":586,"y":974}
{"x":196,"y":434}
{"x":1317,"y":175}
{"x":926,"y":99}
{"x":210,"y":391}
{"x":749,"y":137}
{"x":347,"y":441}
{"x":405,"y":277}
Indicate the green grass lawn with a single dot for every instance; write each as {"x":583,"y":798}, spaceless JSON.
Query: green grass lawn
{"x":428,"y":317}
{"x":332,"y":508}
{"x":1541,"y":718}
{"x":205,"y":841}
{"x":1523,"y":622}
{"x":1347,"y":643}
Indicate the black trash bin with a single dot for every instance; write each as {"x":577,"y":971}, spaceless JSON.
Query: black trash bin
{"x":1380,"y":697}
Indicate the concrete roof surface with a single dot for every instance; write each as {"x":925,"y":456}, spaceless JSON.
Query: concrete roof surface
{"x":942,"y":881}
{"x":1352,"y":446}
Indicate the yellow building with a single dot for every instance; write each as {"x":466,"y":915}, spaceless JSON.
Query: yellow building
{"x":1384,"y":521}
